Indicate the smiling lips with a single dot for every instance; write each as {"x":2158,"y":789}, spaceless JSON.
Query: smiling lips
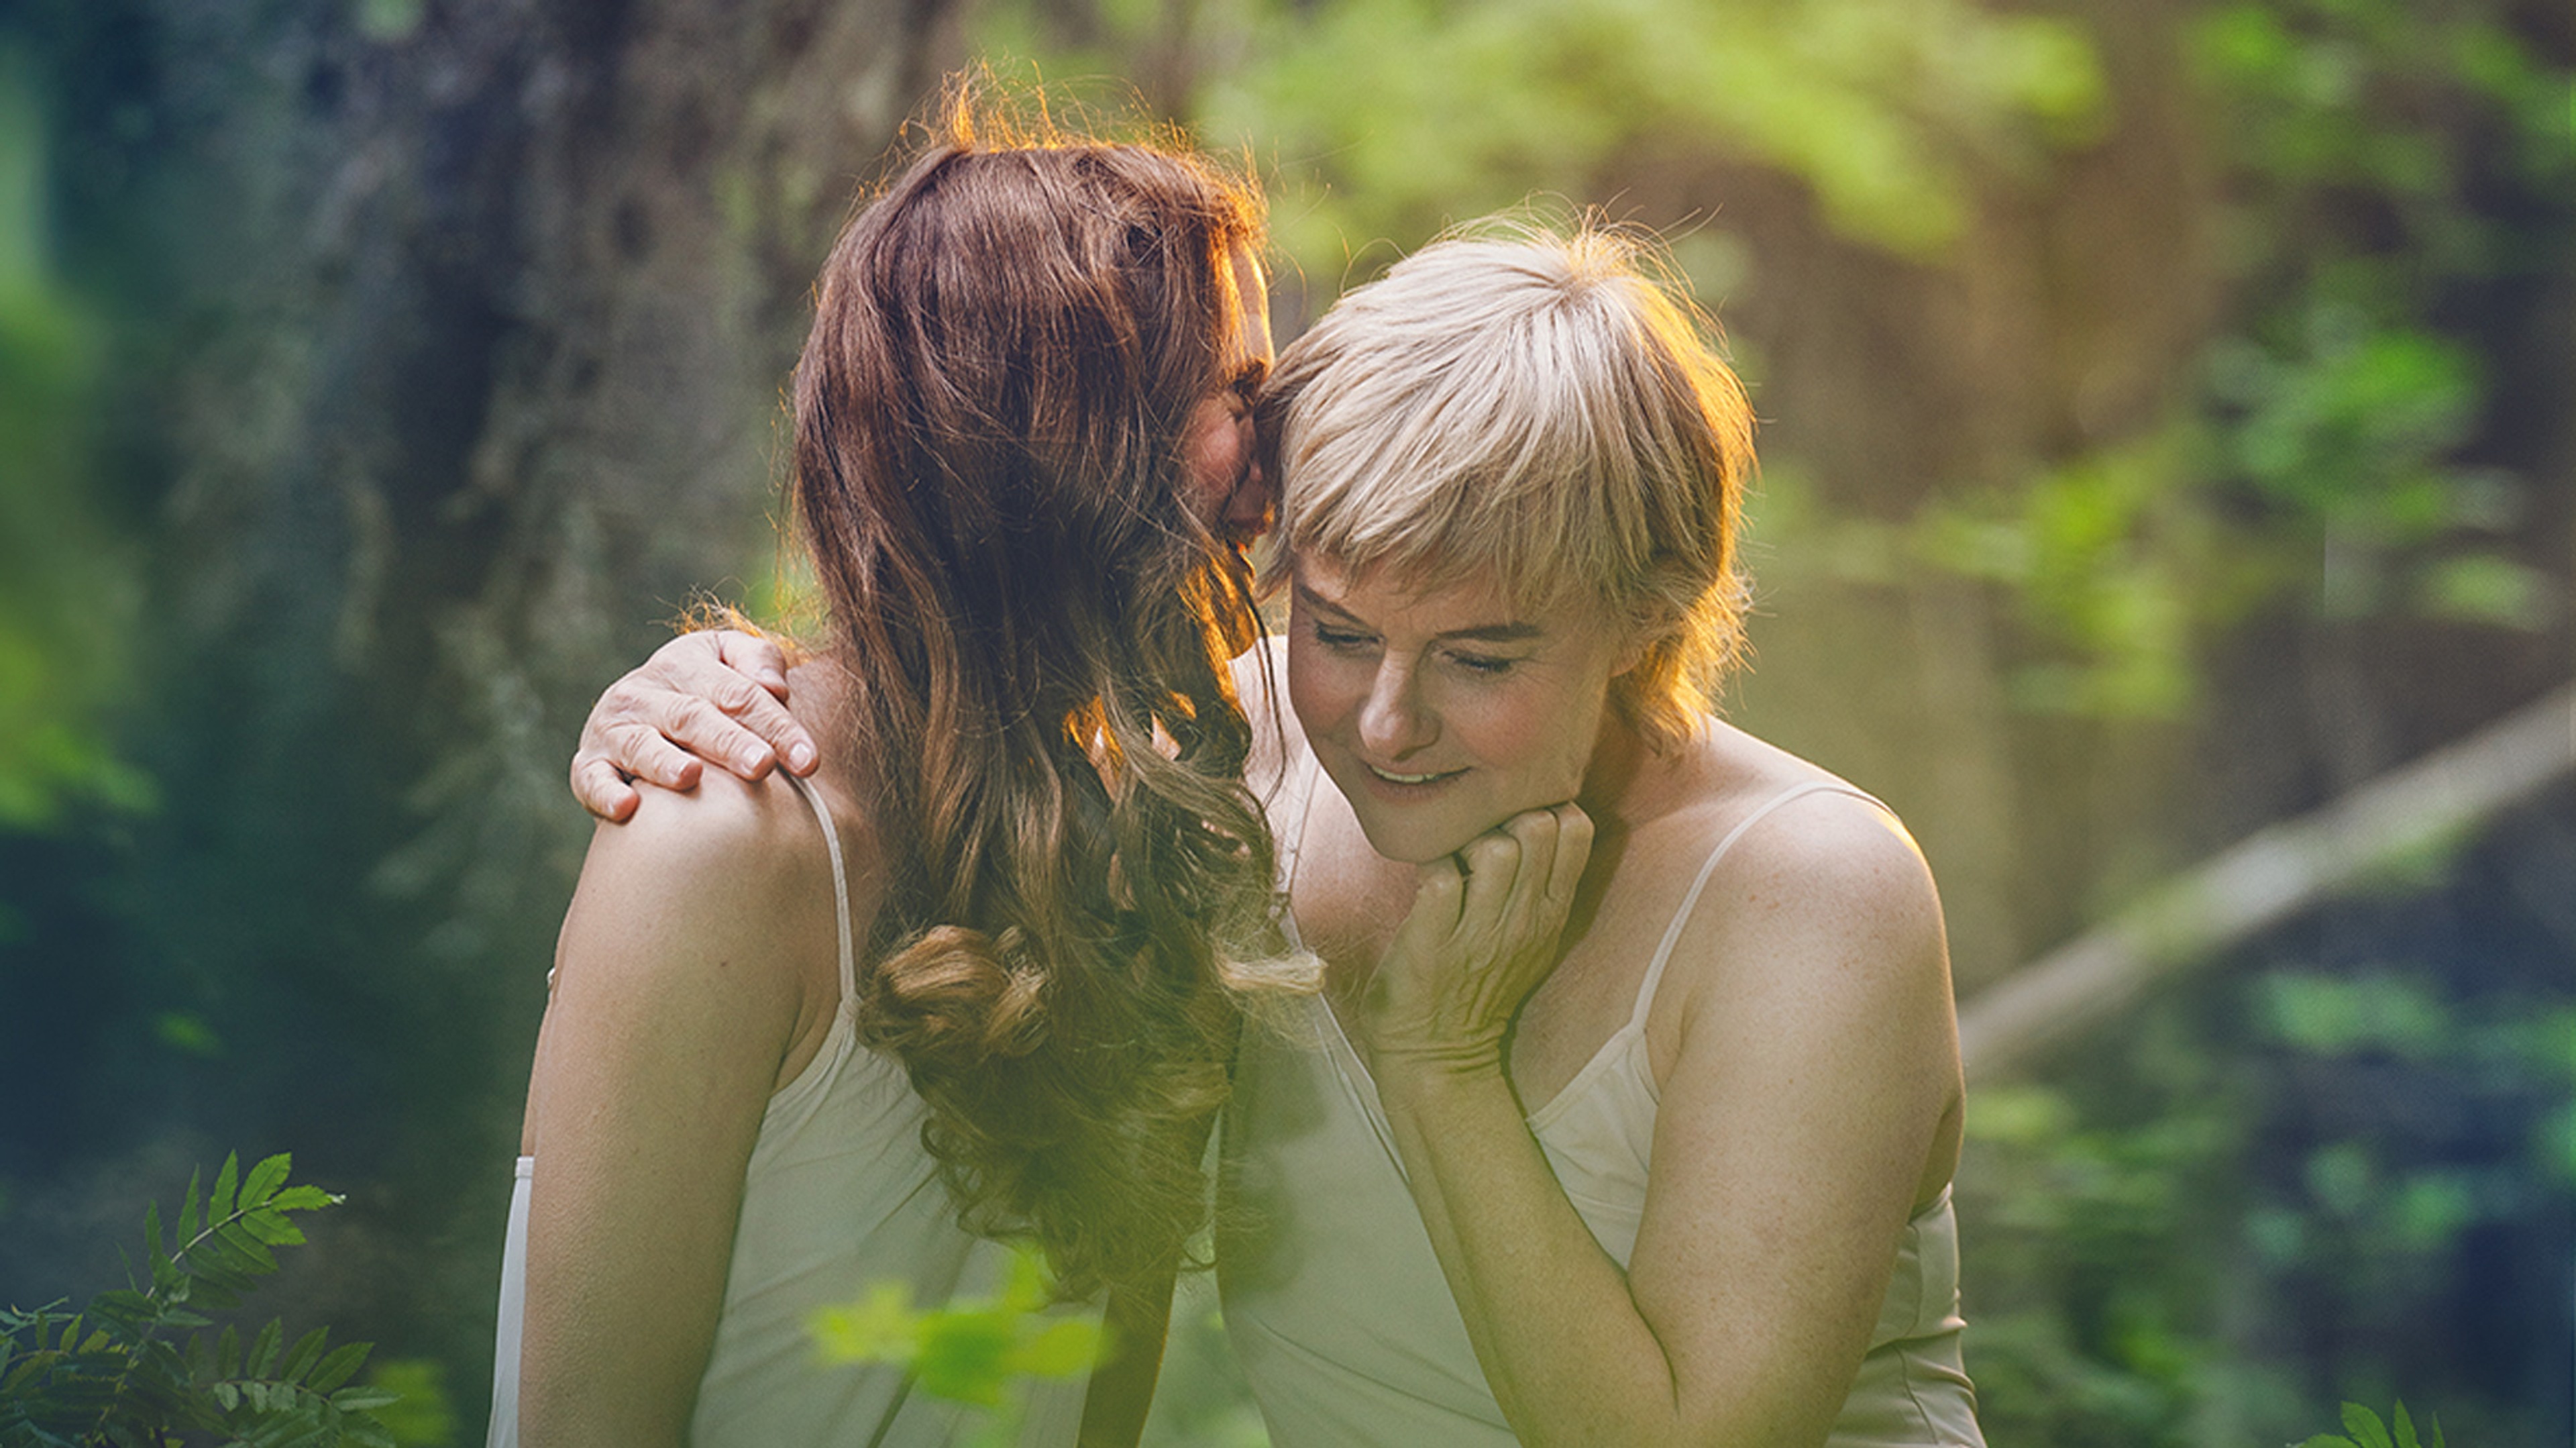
{"x":1392,"y":777}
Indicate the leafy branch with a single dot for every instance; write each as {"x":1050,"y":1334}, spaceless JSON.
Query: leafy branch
{"x":2366,"y":1431}
{"x":121,"y":1373}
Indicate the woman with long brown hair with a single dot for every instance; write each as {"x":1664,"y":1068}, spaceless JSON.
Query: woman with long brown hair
{"x":971,"y":979}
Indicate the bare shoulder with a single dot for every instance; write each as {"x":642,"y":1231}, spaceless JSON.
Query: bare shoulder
{"x":1818,"y":872}
{"x":733,"y":869}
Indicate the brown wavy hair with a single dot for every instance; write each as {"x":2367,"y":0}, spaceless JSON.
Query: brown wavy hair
{"x":1007,"y":345}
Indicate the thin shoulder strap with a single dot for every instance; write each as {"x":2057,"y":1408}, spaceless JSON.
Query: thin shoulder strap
{"x":1304,"y":777}
{"x":1690,"y":899}
{"x":840,"y":887}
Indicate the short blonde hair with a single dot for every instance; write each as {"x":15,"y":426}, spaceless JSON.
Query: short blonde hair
{"x":1535,"y":408}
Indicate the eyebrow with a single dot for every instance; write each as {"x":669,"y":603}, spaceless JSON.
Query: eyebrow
{"x":1489,"y":633}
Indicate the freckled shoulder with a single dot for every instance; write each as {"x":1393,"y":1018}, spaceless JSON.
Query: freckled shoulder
{"x":730,"y":869}
{"x":1822,"y":867}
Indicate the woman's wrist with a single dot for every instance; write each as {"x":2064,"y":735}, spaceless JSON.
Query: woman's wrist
{"x":1433,"y":1070}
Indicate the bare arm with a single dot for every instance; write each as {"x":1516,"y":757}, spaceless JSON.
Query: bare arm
{"x":1817,"y":1068}
{"x":681,"y":982}
{"x":1131,"y":1361}
{"x":718,"y":694}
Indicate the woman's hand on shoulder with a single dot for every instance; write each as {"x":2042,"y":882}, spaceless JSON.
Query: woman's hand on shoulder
{"x":715,"y":694}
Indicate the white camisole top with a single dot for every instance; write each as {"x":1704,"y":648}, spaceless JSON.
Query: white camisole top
{"x":1334,"y":1297}
{"x":839,"y":1197}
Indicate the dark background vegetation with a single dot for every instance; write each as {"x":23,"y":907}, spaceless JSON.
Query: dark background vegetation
{"x":2167,"y":423}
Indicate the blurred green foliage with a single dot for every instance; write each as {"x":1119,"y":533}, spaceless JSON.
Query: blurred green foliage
{"x":2138,"y":1228}
{"x":981,"y":1352}
{"x":2389,"y":162}
{"x":136,"y":1366}
{"x":1384,"y":122}
{"x":68,"y":592}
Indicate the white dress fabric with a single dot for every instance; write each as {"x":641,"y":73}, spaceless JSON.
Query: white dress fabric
{"x":839,"y":1197}
{"x":1334,"y":1297}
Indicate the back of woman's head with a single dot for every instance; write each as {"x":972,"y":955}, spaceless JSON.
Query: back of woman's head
{"x":1006,"y":349}
{"x":1536,"y":409}
{"x":1007,"y":346}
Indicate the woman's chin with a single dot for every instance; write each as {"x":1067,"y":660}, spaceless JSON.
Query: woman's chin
{"x":1411,"y":842}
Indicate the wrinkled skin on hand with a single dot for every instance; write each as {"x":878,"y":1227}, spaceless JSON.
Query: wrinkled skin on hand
{"x":719,"y":694}
{"x":1482,"y":935}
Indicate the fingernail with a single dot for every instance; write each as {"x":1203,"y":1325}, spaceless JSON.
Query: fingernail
{"x":800,"y":757}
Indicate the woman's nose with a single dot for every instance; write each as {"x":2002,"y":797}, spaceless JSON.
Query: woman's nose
{"x":1393,"y":722}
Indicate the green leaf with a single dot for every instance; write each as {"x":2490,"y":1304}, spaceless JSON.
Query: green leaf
{"x":131,"y":1311}
{"x":1061,"y":1350}
{"x":334,"y":1370}
{"x":2365,"y":1427}
{"x":882,"y":1328}
{"x":307,"y":1348}
{"x":201,"y":1358}
{"x":263,"y":1350}
{"x":188,"y":1215}
{"x":363,"y":1398}
{"x":226,"y":1394}
{"x":28,"y":1367}
{"x":220,"y":1205}
{"x":238,"y":1238}
{"x":228,"y":1352}
{"x":269,"y":1225}
{"x":218,"y":1296}
{"x":304,"y":1199}
{"x":265,"y":1179}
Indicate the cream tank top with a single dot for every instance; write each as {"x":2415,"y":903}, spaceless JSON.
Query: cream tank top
{"x":1335,"y":1300}
{"x":839,"y":1197}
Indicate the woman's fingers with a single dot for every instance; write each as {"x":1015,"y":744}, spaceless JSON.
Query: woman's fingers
{"x":713,"y":695}
{"x":1482,"y":933}
{"x":601,"y":789}
{"x":723,"y":701}
{"x":1573,"y":852}
{"x":1439,"y":891}
{"x":758,"y":659}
